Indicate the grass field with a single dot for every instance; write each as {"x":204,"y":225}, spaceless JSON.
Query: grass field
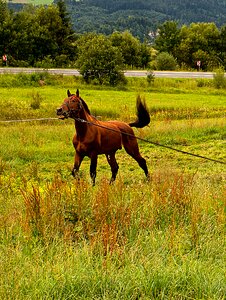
{"x":63,"y":239}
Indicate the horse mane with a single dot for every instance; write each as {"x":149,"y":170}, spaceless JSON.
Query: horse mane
{"x":85,"y":106}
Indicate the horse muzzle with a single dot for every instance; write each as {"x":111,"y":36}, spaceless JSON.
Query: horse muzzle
{"x":61,"y":113}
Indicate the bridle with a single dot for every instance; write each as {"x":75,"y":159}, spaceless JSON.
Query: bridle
{"x":71,"y":112}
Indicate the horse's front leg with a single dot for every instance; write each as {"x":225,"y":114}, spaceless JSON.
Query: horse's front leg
{"x":114,"y":166}
{"x":93,"y":168}
{"x":77,"y":162}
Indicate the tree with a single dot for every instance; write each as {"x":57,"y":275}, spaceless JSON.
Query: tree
{"x":20,"y":44}
{"x":199,"y":38}
{"x":4,"y":30}
{"x":134,"y":53}
{"x":222,"y":49}
{"x":99,"y":60}
{"x":145,"y":55}
{"x":45,"y":30}
{"x":168,"y":37}
{"x":3,"y":11}
{"x":65,"y":33}
{"x":37,"y":34}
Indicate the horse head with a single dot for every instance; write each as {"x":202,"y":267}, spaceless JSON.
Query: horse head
{"x":72,"y":106}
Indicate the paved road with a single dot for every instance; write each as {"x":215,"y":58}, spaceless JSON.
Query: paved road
{"x":159,"y":74}
{"x":170,"y":74}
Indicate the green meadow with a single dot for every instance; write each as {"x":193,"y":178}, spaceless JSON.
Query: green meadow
{"x":61,"y":238}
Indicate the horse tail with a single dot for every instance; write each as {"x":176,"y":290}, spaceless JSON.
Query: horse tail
{"x":143,"y":116}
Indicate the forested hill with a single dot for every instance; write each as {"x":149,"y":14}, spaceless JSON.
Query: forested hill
{"x":141,"y":16}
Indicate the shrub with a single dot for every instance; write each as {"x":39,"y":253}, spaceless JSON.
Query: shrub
{"x":150,"y":77}
{"x":219,"y":80}
{"x":46,"y":63}
{"x":165,"y":61}
{"x":62,"y":61}
{"x":36,"y":100}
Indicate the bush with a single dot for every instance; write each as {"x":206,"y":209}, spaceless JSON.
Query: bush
{"x":36,"y":100}
{"x":62,"y":61}
{"x":165,"y":61}
{"x":202,"y":82}
{"x":219,"y":80}
{"x":46,"y":63}
{"x":150,"y":77}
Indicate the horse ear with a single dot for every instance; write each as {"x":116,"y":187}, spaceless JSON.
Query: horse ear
{"x":68,"y":93}
{"x":77,"y":93}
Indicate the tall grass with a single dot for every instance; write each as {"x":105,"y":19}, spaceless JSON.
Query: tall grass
{"x":162,"y":239}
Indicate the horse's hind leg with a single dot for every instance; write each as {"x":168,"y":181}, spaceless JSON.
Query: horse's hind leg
{"x":131,"y":147}
{"x":142,"y":163}
{"x":113,"y":164}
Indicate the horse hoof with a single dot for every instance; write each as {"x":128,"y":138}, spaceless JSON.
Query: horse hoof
{"x":112,"y":180}
{"x":74,"y":173}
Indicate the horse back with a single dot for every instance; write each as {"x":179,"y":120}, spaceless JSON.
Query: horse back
{"x":123,"y":127}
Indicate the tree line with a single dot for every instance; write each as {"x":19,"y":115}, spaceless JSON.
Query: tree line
{"x":198,"y":42}
{"x":44,"y":37}
{"x":142,"y":16}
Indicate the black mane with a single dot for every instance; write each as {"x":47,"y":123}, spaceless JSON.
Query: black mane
{"x":85,"y":106}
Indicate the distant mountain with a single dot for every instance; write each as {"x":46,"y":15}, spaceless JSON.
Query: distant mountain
{"x":138,"y":16}
{"x":142,"y":16}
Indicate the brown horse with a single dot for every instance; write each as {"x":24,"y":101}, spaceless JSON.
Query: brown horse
{"x":94,"y":137}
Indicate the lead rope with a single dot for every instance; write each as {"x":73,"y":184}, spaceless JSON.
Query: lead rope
{"x":150,"y":142}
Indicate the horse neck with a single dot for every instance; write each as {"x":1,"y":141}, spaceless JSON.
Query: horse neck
{"x":82,"y":127}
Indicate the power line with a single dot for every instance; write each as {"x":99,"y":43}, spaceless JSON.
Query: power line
{"x":28,"y":120}
{"x":151,"y":142}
